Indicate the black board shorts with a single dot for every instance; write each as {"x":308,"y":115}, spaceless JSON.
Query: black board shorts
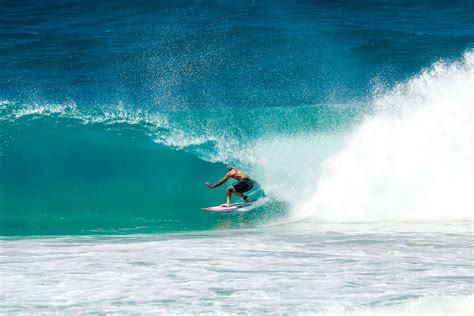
{"x":243,"y":185}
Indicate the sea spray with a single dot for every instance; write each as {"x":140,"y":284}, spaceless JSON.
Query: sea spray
{"x":409,"y":160}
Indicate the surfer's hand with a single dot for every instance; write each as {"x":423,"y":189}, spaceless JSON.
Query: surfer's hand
{"x":209,"y":185}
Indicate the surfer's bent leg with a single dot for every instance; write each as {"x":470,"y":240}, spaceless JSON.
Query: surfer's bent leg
{"x":243,"y":196}
{"x":228,"y":193}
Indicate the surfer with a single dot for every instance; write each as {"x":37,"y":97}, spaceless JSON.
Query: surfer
{"x":245,"y":184}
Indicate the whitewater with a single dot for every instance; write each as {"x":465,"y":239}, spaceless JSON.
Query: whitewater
{"x":300,"y":268}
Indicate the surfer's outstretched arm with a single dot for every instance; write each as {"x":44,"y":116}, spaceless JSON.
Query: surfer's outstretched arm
{"x":218,"y":183}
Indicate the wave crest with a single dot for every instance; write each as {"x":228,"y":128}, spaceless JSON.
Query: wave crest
{"x":411,"y":159}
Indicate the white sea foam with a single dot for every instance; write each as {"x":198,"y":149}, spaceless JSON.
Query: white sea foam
{"x":343,"y":269}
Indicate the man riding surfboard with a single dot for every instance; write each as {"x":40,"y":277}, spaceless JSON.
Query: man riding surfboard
{"x":245,"y":184}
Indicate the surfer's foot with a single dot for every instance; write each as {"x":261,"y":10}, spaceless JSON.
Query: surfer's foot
{"x":225,"y":205}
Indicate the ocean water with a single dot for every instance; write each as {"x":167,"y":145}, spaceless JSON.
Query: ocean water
{"x":355,"y":118}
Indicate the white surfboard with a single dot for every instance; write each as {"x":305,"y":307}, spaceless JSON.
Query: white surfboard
{"x":233,"y":207}
{"x":242,"y":206}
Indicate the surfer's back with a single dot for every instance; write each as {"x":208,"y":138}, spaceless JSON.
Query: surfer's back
{"x":237,"y":174}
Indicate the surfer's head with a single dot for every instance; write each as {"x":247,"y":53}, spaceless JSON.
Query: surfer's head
{"x":229,"y":167}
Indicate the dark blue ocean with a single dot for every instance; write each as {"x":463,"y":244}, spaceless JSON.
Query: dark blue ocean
{"x":354,"y":118}
{"x":174,"y":55}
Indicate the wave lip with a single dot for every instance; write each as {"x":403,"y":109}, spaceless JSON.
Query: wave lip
{"x":411,"y":159}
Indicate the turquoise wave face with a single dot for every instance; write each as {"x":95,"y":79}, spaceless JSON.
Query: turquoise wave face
{"x":59,"y":176}
{"x":65,"y":172}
